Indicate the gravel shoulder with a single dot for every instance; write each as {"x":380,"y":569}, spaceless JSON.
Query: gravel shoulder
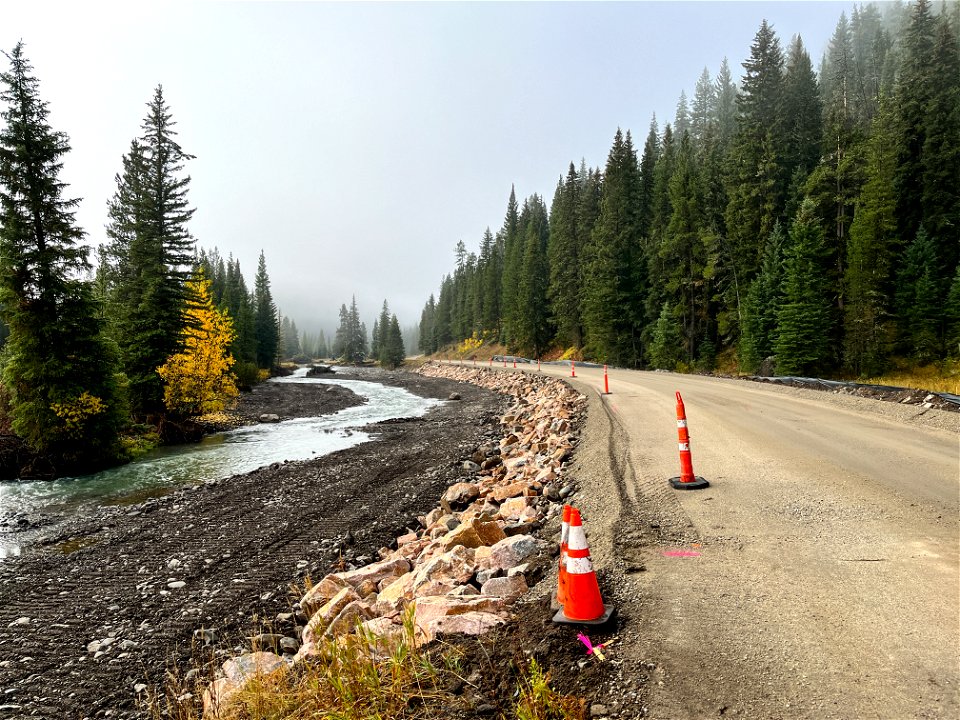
{"x":236,"y":545}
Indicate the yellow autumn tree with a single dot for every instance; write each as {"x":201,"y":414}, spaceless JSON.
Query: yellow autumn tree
{"x":198,"y":379}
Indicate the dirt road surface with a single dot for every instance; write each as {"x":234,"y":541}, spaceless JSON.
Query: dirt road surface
{"x":826,"y":581}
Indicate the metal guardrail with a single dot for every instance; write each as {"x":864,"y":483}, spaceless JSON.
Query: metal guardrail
{"x":783,"y":379}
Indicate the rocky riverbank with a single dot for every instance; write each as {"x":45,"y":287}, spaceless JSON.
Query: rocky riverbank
{"x":91,"y":620}
{"x":466,"y":564}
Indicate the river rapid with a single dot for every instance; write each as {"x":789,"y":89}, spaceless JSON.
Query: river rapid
{"x":217,"y":456}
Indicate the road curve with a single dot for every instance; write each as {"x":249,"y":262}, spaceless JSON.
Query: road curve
{"x":827,"y":578}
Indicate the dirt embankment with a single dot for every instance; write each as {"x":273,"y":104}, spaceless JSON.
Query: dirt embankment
{"x":90,"y":620}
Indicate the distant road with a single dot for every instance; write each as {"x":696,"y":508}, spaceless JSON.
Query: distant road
{"x":827,"y":584}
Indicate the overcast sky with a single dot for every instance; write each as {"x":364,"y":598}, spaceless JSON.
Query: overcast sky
{"x":356,"y":143}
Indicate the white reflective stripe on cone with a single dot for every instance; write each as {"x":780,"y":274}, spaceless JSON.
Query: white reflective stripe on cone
{"x":684,"y":447}
{"x":681,"y":422}
{"x":564,"y":531}
{"x":579,"y":566}
{"x":577,"y":539}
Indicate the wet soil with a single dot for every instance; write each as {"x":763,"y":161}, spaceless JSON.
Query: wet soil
{"x":236,"y":545}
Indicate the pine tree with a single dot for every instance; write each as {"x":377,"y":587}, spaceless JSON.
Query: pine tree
{"x":803,"y":318}
{"x":58,"y":369}
{"x":802,"y":114}
{"x":198,"y":378}
{"x":704,"y":99}
{"x":266,"y":326}
{"x":725,"y":108}
{"x":510,"y":277}
{"x":681,"y":121}
{"x":149,"y":216}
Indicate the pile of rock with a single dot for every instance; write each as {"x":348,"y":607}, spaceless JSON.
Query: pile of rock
{"x":470,"y":559}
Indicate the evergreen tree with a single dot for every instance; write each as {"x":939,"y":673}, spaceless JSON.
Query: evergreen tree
{"x":427,"y":317}
{"x":757,"y":183}
{"x":941,"y":151}
{"x":762,"y":305}
{"x":870,"y":252}
{"x":681,"y":122}
{"x":915,"y":89}
{"x":803,"y":318}
{"x":393,"y":352}
{"x":704,"y":100}
{"x":381,"y":329}
{"x":802,"y":113}
{"x":665,"y":346}
{"x":616,"y":285}
{"x":917,"y":300}
{"x":952,"y":316}
{"x":683,"y":252}
{"x":149,"y":216}
{"x":533,"y":330}
{"x":266,"y":326}
{"x":58,"y":369}
{"x":564,"y":251}
{"x":510,"y":277}
{"x":724,"y":112}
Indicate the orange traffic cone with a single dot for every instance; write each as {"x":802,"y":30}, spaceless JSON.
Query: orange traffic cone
{"x":687,"y":480}
{"x":573,"y":368}
{"x":583,"y":605}
{"x":562,"y":569}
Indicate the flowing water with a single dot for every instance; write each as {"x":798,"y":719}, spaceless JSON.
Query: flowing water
{"x":215,"y":457}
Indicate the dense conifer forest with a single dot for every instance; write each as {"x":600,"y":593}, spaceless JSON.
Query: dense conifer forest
{"x":810,"y":215}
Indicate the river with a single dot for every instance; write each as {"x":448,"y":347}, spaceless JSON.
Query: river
{"x":215,"y":457}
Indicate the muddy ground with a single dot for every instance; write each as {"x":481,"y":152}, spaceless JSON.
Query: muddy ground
{"x":236,"y":545}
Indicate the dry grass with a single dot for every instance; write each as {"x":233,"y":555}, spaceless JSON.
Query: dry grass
{"x":363,"y":677}
{"x":937,"y":378}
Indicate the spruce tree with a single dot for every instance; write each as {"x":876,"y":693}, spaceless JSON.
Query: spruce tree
{"x":757,"y":184}
{"x":564,"y":252}
{"x":381,"y":329}
{"x":762,"y":305}
{"x":803,"y":318}
{"x":149,"y":216}
{"x":510,"y":277}
{"x":266,"y":326}
{"x":393,"y":352}
{"x":870,"y":253}
{"x":616,"y":283}
{"x":952,"y":317}
{"x":58,"y":369}
{"x":427,"y":317}
{"x":918,"y":300}
{"x":665,"y":349}
{"x":533,"y":329}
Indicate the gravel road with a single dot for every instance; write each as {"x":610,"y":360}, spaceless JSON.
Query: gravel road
{"x":825,"y":580}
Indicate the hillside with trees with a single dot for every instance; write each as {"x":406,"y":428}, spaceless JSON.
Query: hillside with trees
{"x":810,"y":216}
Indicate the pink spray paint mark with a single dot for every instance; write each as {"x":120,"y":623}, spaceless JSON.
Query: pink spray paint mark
{"x":681,"y":553}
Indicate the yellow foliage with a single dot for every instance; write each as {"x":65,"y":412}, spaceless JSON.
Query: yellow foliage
{"x":75,"y":412}
{"x":198,"y":379}
{"x":470,"y":344}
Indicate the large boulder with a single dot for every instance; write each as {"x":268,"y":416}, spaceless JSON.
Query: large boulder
{"x":461,"y":494}
{"x":511,"y":552}
{"x":376,"y":572}
{"x":473,"y":533}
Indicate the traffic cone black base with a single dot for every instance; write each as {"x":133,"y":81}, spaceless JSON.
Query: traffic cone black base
{"x":697,"y":484}
{"x":608,"y":612}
